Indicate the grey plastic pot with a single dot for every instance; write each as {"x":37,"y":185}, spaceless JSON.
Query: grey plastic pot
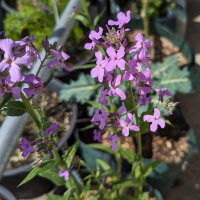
{"x":38,"y":185}
{"x":13,"y":126}
{"x":6,"y":194}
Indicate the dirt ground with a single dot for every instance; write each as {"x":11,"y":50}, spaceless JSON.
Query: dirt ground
{"x":187,"y":186}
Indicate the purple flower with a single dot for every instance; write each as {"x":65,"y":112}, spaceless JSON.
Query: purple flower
{"x":7,"y":87}
{"x":102,"y":98}
{"x":100,"y":118}
{"x":122,"y":109}
{"x":60,"y":59}
{"x":65,"y":174}
{"x":97,"y":136}
{"x":127,"y":125}
{"x":99,"y":70}
{"x":142,"y":46}
{"x":10,"y":62}
{"x":122,"y":19}
{"x":113,"y":87}
{"x":113,"y":139}
{"x":163,"y":92}
{"x":135,"y":75}
{"x":115,"y":58}
{"x":35,"y":85}
{"x":155,"y":120}
{"x":29,"y":48}
{"x":52,"y":128}
{"x":93,"y":36}
{"x":143,"y":100}
{"x":26,"y":147}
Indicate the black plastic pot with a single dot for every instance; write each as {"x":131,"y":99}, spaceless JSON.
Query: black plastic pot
{"x":165,"y":174}
{"x":5,"y":194}
{"x":159,"y":27}
{"x":38,"y":185}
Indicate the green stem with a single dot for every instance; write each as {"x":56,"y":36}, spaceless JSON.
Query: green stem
{"x":139,"y":143}
{"x":41,"y":64}
{"x":31,"y":111}
{"x":145,"y":16}
{"x":58,"y":159}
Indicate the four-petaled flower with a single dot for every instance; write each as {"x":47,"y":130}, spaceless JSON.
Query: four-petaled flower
{"x":113,"y":87}
{"x":113,"y":139}
{"x":52,"y":128}
{"x":155,"y":120}
{"x":60,"y":60}
{"x":128,"y":125}
{"x":142,"y":46}
{"x":122,"y":19}
{"x":35,"y":85}
{"x":116,"y":59}
{"x":97,"y":135}
{"x":7,"y":87}
{"x":10,"y":62}
{"x":26,"y":147}
{"x":99,"y":69}
{"x":163,"y":92}
{"x":65,"y":174}
{"x":93,"y":35}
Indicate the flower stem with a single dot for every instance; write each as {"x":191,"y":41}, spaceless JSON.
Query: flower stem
{"x":31,"y":111}
{"x":42,"y":64}
{"x":139,"y":147}
{"x":145,"y":16}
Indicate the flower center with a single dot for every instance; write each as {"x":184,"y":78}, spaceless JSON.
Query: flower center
{"x":9,"y":61}
{"x":136,"y":75}
{"x":5,"y":88}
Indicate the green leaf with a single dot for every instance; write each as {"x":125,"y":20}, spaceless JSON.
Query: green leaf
{"x":13,"y":108}
{"x":81,"y":89}
{"x":137,"y":172}
{"x":175,"y":80}
{"x":98,"y":17}
{"x":35,"y":171}
{"x":126,"y":197}
{"x":126,"y":183}
{"x":97,"y":105}
{"x":150,"y":167}
{"x":82,"y":19}
{"x":144,"y":196}
{"x":69,"y":193}
{"x":101,"y":147}
{"x":103,"y":164}
{"x":52,"y":175}
{"x":5,"y":99}
{"x":87,"y":127}
{"x":128,"y":154}
{"x":169,"y":75}
{"x":88,"y":66}
{"x":68,"y":158}
{"x":55,"y":197}
{"x":158,"y":68}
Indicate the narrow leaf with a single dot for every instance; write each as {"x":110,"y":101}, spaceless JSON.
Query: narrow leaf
{"x":150,"y":167}
{"x":104,"y":165}
{"x":101,"y":148}
{"x":35,"y":171}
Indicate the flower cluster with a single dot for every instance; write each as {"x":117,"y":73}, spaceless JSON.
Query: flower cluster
{"x":113,"y":69}
{"x":18,"y":57}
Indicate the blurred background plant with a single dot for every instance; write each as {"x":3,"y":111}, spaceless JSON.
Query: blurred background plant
{"x":37,"y":18}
